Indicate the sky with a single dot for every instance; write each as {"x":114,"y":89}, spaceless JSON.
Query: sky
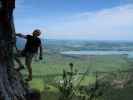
{"x":76,"y":19}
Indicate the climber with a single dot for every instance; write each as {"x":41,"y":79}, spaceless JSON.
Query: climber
{"x":31,"y":48}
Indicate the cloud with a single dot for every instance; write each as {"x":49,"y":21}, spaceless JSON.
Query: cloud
{"x":114,"y":23}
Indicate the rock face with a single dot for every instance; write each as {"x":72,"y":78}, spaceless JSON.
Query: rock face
{"x":11,"y":83}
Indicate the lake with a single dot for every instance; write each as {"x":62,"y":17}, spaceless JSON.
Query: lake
{"x":129,"y":53}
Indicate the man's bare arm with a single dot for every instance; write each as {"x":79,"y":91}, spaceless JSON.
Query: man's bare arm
{"x":21,"y":35}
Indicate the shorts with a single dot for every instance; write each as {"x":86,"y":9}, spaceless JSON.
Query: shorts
{"x":28,"y":56}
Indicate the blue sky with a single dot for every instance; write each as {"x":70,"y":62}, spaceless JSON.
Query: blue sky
{"x":76,"y":19}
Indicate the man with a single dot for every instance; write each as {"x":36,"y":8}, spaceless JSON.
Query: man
{"x":31,"y":48}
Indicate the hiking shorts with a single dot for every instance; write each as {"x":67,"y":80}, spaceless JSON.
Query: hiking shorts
{"x":28,"y":57}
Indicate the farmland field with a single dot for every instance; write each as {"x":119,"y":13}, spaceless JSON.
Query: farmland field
{"x":47,"y":73}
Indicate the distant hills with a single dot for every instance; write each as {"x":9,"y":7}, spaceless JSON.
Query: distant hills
{"x":63,"y":45}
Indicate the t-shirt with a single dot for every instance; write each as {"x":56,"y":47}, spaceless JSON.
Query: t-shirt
{"x":32,"y":44}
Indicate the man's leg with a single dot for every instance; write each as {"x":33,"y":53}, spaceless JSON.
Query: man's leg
{"x":16,"y":57}
{"x":28,"y":61}
{"x":18,"y":61}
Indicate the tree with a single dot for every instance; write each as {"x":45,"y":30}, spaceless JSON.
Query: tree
{"x":11,"y":83}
